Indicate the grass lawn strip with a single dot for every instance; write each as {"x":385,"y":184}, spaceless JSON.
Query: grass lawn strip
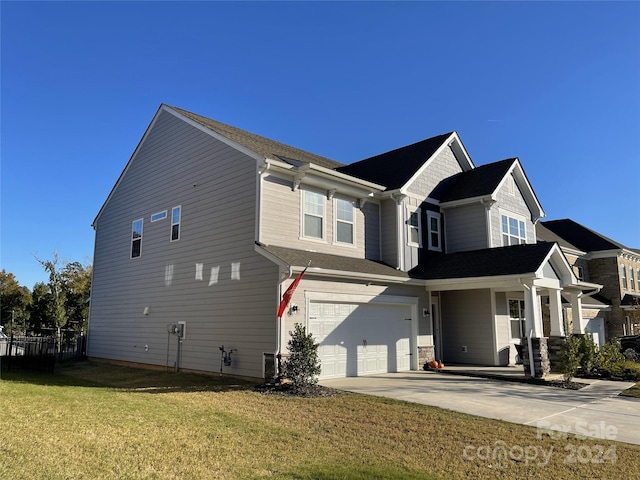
{"x":104,"y":421}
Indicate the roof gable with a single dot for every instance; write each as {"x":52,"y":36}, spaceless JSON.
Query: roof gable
{"x":485,"y":181}
{"x":396,"y":168}
{"x":582,"y":237}
{"x":480,"y":181}
{"x":264,"y":146}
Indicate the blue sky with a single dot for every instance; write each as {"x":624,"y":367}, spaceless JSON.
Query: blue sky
{"x":555,"y":84}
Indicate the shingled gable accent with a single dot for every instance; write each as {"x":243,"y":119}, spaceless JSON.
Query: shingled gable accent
{"x":396,"y":169}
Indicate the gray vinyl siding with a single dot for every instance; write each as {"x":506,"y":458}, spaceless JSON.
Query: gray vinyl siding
{"x":371,"y":212}
{"x":281,"y":214}
{"x":444,"y":165}
{"x":465,"y":228}
{"x":510,"y":203}
{"x":389,"y":233}
{"x":467,"y":321}
{"x":215,"y":185}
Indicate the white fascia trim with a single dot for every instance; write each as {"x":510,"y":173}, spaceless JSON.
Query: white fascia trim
{"x":484,"y":199}
{"x":473,"y":283}
{"x":323,"y":171}
{"x":337,"y":273}
{"x":459,"y":152}
{"x":131,"y":159}
{"x":529,"y":195}
{"x":560,"y":261}
{"x":361,"y":276}
{"x":215,"y":135}
{"x":603,"y":254}
{"x":360,"y":298}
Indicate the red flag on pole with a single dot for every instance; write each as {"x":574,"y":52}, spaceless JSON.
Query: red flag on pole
{"x":289,"y":293}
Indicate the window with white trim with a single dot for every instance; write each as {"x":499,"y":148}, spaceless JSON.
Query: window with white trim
{"x":175,"y":223}
{"x":158,"y":216}
{"x":433,"y":225}
{"x":623,"y":272}
{"x":632,"y":280}
{"x":513,"y":231}
{"x":344,"y":221}
{"x":313,"y":215}
{"x":517,"y":319}
{"x":136,"y":238}
{"x":414,"y":228}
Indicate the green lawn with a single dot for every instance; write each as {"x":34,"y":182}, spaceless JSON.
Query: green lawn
{"x":632,"y":392}
{"x":98,"y":421}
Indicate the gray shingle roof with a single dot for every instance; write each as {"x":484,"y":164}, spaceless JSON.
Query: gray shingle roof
{"x":582,"y":237}
{"x":301,"y":258}
{"x":264,"y":146}
{"x":480,"y":181}
{"x":395,"y":168}
{"x":489,"y":262}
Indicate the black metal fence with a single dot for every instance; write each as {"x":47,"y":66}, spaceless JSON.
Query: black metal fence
{"x":41,"y":353}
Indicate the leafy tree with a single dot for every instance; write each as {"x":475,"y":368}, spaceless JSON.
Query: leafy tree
{"x":303,"y":366}
{"x":56,"y":290}
{"x":40,"y":310}
{"x":14,"y":303}
{"x":570,"y":357}
{"x":76,"y":285}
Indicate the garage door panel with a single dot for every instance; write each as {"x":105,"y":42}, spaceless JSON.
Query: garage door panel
{"x":359,"y":339}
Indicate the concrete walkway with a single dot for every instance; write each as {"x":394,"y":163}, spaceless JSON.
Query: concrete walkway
{"x":594,"y":410}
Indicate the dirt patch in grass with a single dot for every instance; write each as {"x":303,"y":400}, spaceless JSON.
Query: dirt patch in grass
{"x":288,"y":390}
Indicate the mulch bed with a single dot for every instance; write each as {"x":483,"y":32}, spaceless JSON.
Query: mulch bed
{"x":288,"y":390}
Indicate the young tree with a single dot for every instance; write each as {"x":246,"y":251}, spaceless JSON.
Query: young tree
{"x":76,"y":285}
{"x":14,"y":303}
{"x":56,"y":290}
{"x":303,"y":366}
{"x":40,"y":310}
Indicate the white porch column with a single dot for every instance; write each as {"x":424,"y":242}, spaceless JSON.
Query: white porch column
{"x":576,"y":312}
{"x":555,"y":311}
{"x":532,"y":311}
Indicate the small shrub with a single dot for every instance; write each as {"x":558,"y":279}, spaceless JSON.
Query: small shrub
{"x":630,"y":370}
{"x":303,"y":366}
{"x":610,"y":359}
{"x":587,"y":353}
{"x":570,"y":357}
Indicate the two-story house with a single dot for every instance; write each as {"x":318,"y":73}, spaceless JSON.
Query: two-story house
{"x":596,"y":258}
{"x":412,"y":254}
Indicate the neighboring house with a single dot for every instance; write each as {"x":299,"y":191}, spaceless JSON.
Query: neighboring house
{"x":601,"y":260}
{"x":412,"y":254}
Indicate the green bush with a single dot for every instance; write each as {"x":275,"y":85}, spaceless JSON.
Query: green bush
{"x":630,"y":370}
{"x":570,"y":357}
{"x":587,"y":353}
{"x":303,"y":365}
{"x":609,"y":359}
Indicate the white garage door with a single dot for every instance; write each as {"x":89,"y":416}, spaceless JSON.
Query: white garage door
{"x":361,"y":339}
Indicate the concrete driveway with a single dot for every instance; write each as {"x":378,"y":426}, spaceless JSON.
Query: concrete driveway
{"x":594,"y":411}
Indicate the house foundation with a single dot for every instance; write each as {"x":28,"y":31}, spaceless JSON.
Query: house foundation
{"x":426,"y":354}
